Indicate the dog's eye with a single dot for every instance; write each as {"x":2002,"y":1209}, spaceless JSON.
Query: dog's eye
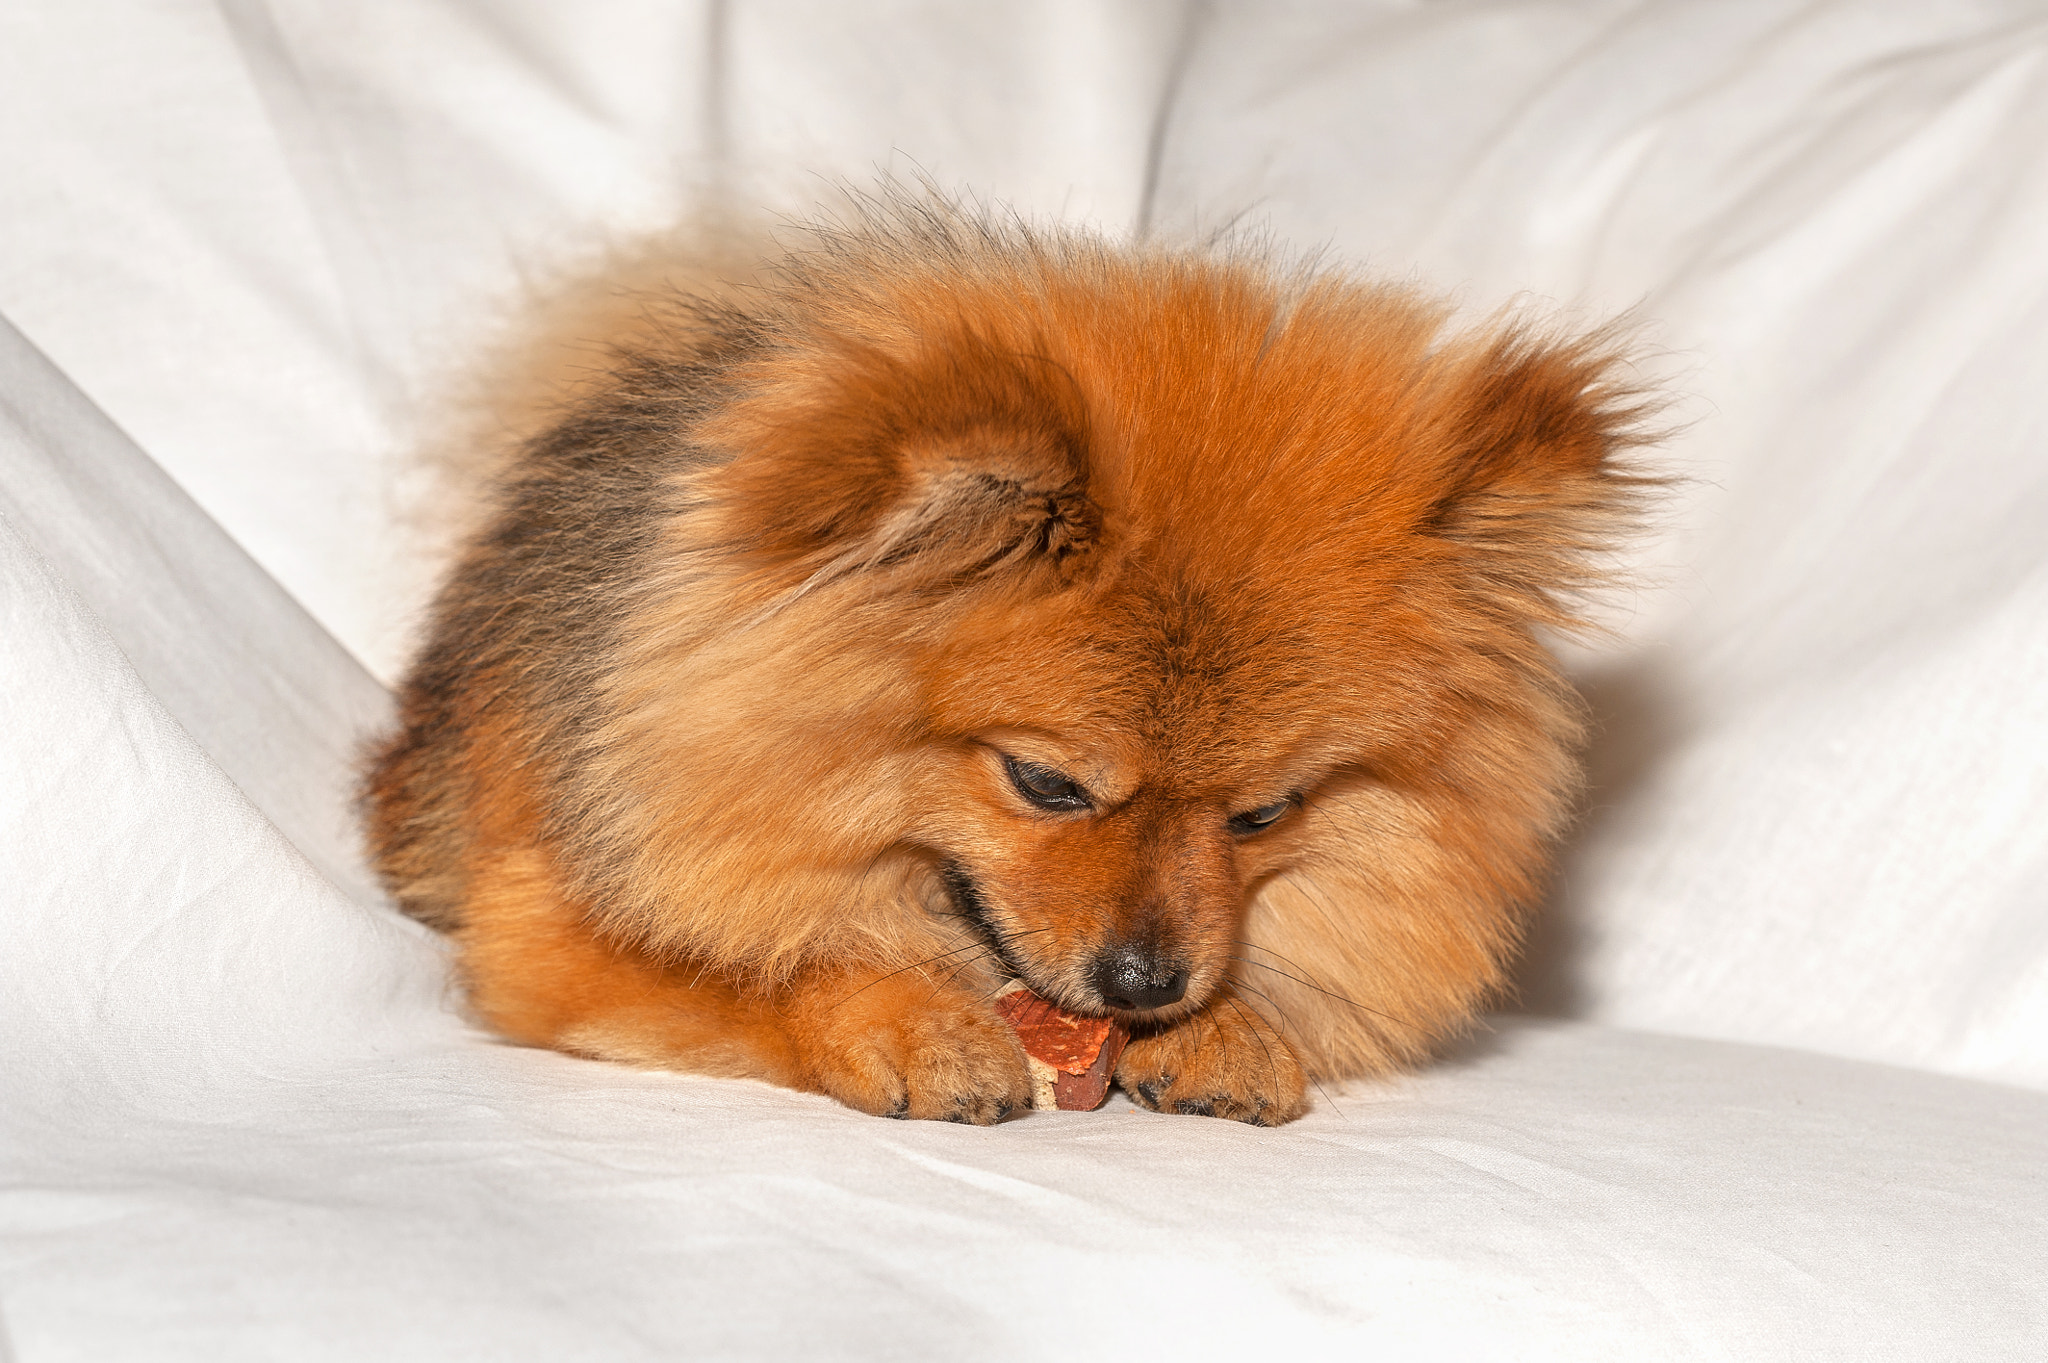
{"x":1044,"y":787}
{"x":1257,"y":819}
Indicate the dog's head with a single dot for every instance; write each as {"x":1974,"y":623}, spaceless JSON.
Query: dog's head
{"x":1137,"y":597}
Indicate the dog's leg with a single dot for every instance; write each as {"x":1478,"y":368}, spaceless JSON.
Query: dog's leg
{"x":905,"y":1044}
{"x":1224,"y":1061}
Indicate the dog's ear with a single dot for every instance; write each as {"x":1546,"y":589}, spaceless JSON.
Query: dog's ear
{"x":954,"y":464}
{"x":972,"y":498}
{"x":1537,"y":485}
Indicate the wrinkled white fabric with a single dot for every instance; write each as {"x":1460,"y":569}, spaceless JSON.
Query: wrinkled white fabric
{"x":245,"y":244}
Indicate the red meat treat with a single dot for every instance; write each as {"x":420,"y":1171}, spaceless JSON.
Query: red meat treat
{"x":1071,"y":1057}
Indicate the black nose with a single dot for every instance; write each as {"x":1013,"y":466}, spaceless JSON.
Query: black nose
{"x":1135,"y":977}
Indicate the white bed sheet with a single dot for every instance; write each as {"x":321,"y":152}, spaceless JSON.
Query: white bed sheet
{"x":239,"y":1116}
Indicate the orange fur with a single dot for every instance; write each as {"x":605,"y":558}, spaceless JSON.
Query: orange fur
{"x":718,"y":756}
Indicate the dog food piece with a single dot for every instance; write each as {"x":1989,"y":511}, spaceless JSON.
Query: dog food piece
{"x":1071,"y":1057}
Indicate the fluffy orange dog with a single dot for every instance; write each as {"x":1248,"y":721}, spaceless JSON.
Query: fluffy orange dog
{"x":976,"y":602}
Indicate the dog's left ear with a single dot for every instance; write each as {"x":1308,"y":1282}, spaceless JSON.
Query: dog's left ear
{"x":1538,"y":483}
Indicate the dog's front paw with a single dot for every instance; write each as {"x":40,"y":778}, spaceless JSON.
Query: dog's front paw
{"x":899,"y":1050}
{"x":1222,"y":1062}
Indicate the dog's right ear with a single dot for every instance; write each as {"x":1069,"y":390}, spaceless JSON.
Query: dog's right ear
{"x":947,"y":467}
{"x":976,"y":498}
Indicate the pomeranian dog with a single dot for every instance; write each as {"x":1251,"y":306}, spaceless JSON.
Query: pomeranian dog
{"x":966,"y":602}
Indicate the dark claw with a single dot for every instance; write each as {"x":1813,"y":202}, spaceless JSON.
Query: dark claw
{"x":1196,"y":1107}
{"x":1150,"y":1089}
